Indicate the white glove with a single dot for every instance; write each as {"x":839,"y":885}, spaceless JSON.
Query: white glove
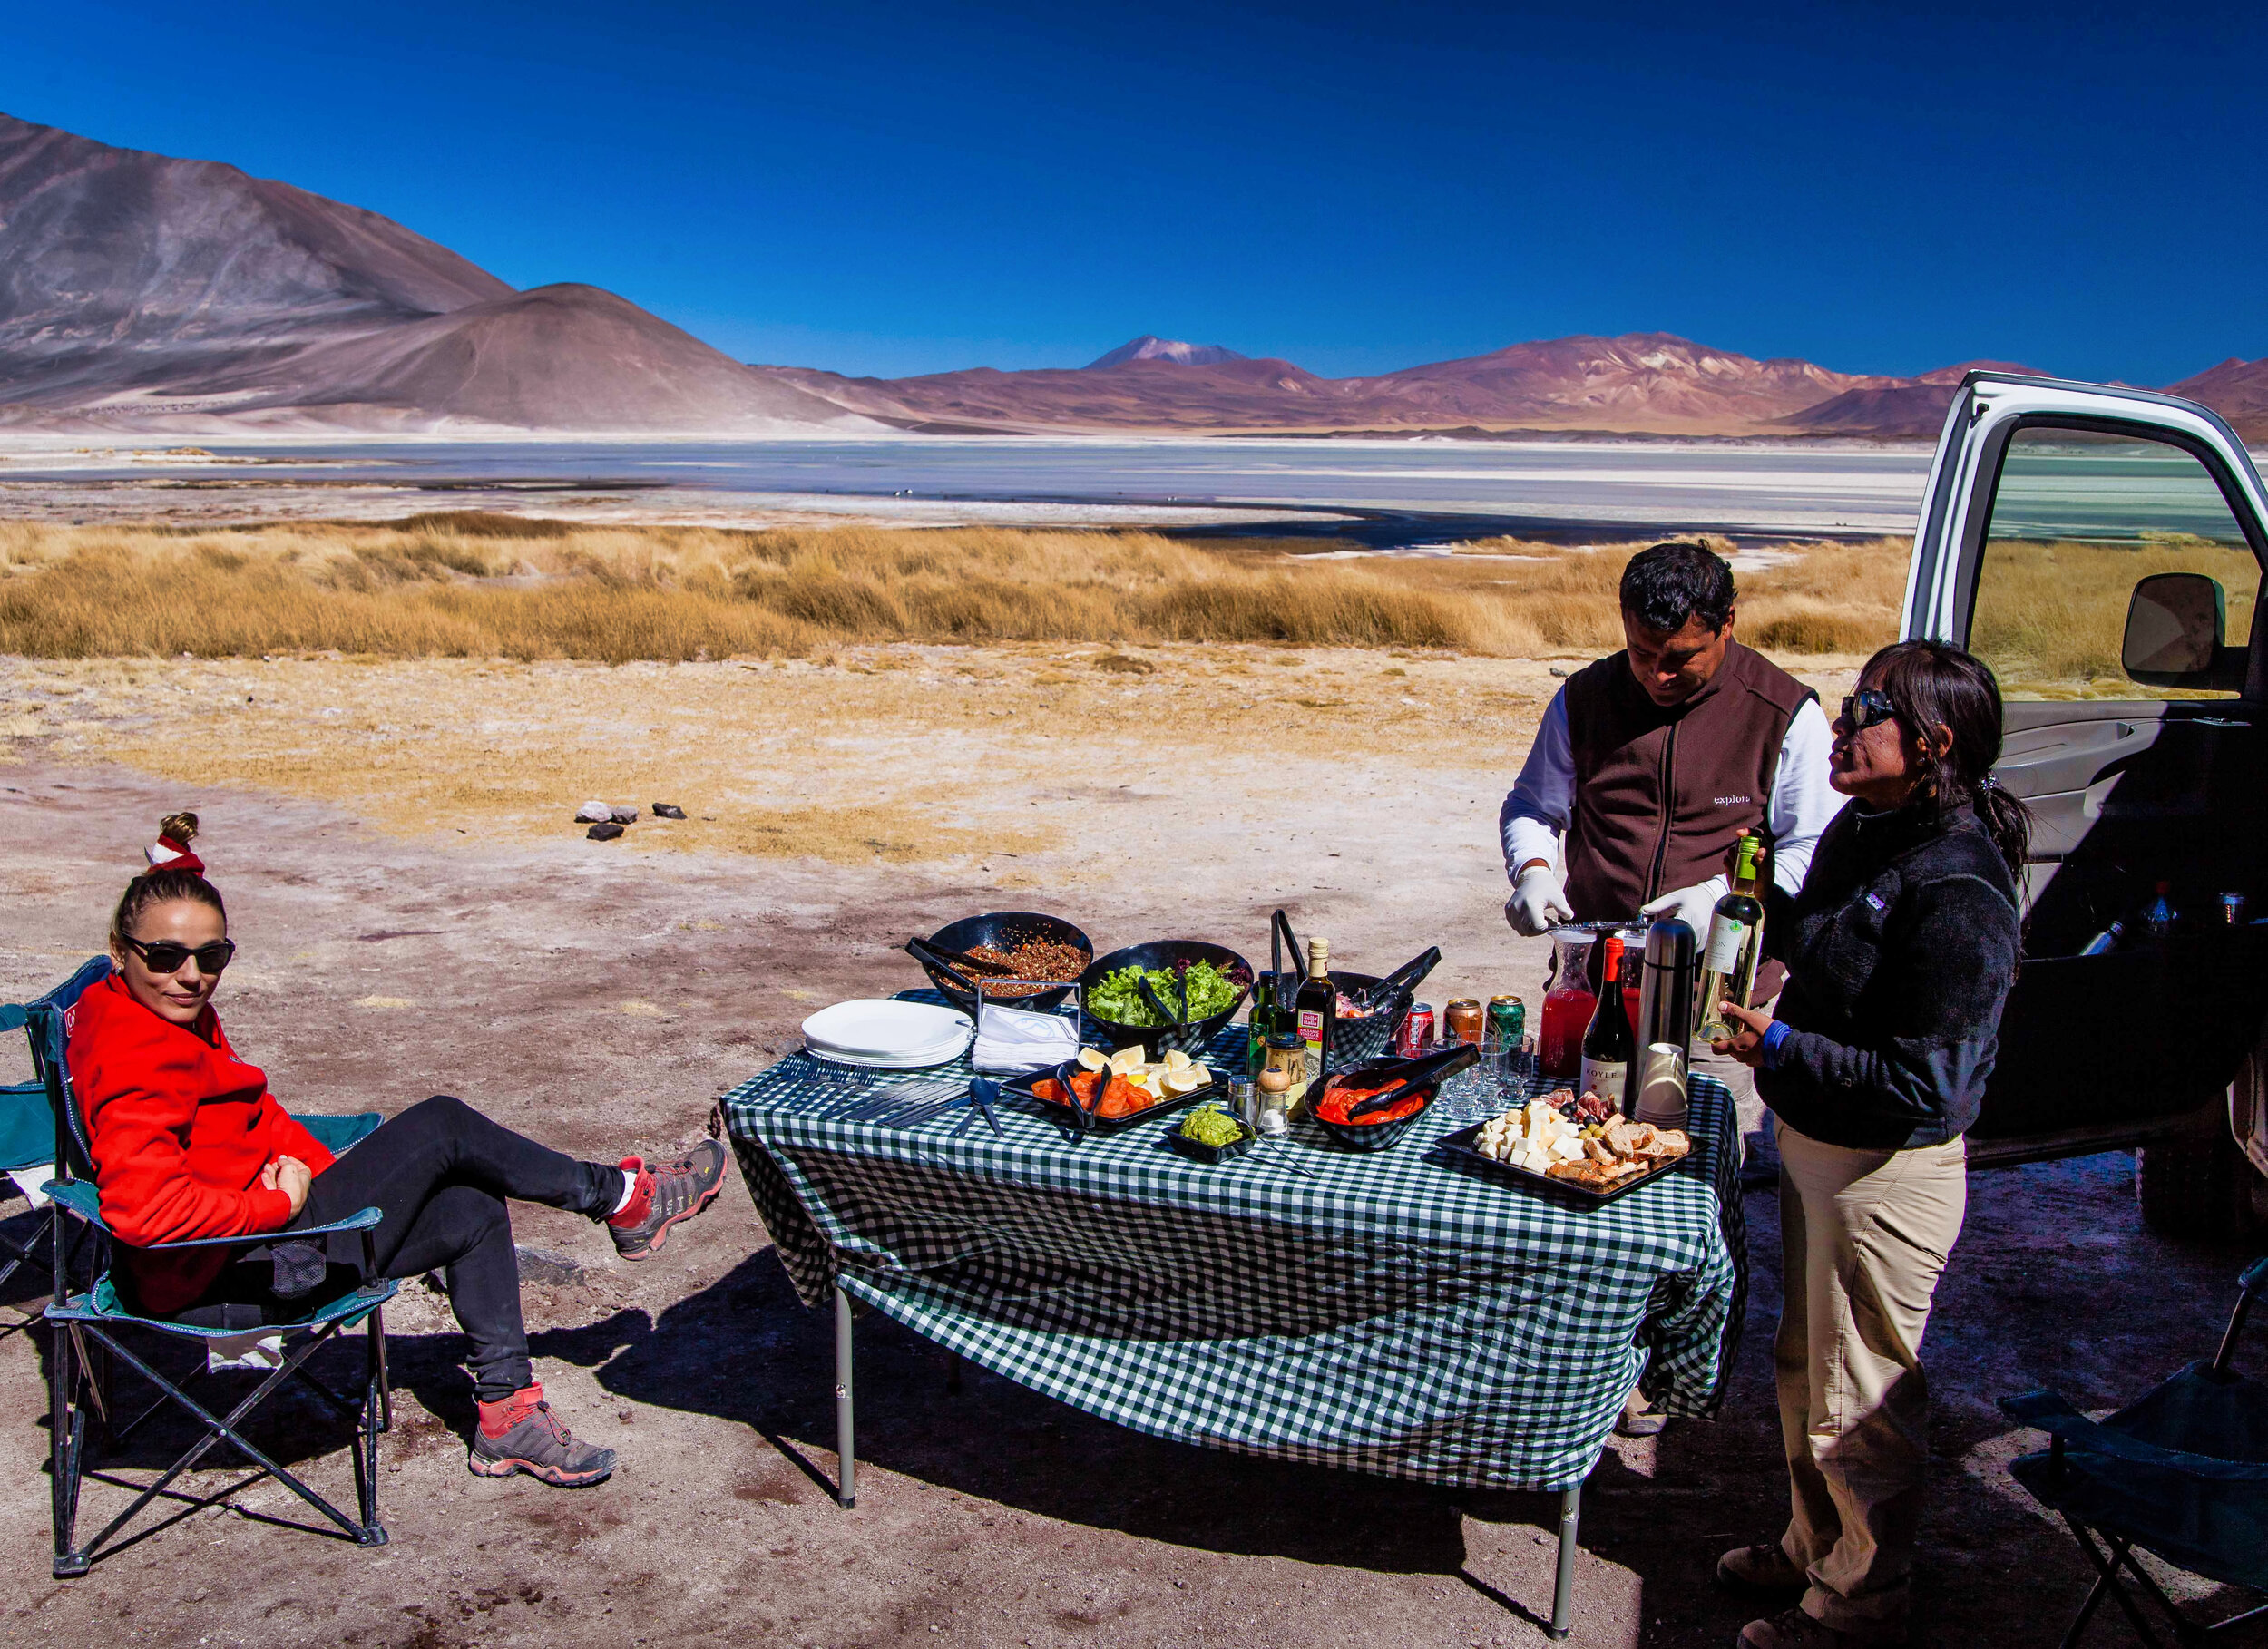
{"x":1695,"y":906}
{"x":1539,"y":901}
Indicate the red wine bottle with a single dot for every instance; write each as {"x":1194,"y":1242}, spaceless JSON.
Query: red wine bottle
{"x":1609,"y":1045}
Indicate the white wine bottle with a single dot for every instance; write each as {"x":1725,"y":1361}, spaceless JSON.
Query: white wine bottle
{"x":1728,"y":966}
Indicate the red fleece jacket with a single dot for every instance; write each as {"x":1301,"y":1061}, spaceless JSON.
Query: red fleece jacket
{"x":181,"y":1129}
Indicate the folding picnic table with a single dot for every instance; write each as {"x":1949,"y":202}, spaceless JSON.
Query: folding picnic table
{"x":1385,"y":1312}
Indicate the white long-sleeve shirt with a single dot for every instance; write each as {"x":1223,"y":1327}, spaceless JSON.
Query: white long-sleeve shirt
{"x":1536,"y":814}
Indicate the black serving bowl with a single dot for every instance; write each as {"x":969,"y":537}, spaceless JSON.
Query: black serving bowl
{"x":1200,"y":1151}
{"x":1369,"y":1037}
{"x":1005,"y":929}
{"x":1369,"y":1136}
{"x":1191,"y":1037}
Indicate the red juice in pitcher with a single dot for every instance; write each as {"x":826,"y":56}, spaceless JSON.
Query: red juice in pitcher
{"x":1567,"y":1011}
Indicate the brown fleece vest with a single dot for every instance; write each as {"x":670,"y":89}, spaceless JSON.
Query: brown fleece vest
{"x":1660,"y":794}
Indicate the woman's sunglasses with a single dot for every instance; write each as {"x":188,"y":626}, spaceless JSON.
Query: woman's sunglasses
{"x":166,"y":956}
{"x":1866,"y":707}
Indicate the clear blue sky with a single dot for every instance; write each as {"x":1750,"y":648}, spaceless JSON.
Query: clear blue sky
{"x":890,"y":188}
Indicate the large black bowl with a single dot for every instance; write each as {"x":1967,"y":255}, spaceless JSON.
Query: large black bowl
{"x":1191,"y":1037}
{"x":1369,"y":1136}
{"x":1004,"y":929}
{"x":1367,"y":1038}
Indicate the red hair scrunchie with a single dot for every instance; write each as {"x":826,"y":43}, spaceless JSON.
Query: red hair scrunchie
{"x":169,"y":854}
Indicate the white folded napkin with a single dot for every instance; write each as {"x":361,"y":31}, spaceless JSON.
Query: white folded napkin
{"x":1013,"y":1041}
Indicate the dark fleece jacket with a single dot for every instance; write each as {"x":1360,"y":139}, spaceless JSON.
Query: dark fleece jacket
{"x":1901,"y":948}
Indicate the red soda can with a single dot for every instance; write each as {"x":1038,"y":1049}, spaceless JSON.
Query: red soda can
{"x":1416,"y":1034}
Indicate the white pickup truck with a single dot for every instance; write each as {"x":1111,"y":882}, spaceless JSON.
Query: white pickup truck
{"x":2101,"y":549}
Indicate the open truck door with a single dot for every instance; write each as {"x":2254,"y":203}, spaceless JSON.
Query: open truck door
{"x":2101,"y":549}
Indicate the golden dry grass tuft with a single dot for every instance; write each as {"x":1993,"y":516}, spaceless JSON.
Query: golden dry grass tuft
{"x":470,"y":585}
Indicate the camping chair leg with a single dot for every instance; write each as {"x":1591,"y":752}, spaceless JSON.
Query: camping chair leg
{"x":96,"y":1371}
{"x":386,"y":1379}
{"x":66,"y":1438}
{"x":2107,"y":1568}
{"x":366,"y":1454}
{"x":2085,"y":1614}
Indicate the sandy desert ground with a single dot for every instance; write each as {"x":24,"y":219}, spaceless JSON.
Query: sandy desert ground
{"x":420,"y":916}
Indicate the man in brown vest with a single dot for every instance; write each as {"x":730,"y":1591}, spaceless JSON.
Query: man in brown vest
{"x":1651,"y":763}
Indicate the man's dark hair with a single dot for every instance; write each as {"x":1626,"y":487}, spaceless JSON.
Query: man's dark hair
{"x":1667,"y":584}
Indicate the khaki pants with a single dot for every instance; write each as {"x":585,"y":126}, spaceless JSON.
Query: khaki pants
{"x":1746,"y":1104}
{"x":1863,"y":1238}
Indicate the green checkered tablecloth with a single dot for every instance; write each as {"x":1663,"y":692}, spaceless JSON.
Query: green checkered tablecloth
{"x":1392,"y":1314}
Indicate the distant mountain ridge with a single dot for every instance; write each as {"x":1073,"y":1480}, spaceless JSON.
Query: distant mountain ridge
{"x":138,"y":290}
{"x":1647,"y":382}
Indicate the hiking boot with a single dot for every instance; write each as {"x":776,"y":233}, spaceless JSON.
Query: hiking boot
{"x":664,"y":1192}
{"x":1792,"y":1630}
{"x":523,"y":1434}
{"x":1762,"y":1571}
{"x":1640,"y":1417}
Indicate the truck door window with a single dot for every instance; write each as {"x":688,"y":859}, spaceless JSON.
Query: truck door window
{"x":2078,"y":519}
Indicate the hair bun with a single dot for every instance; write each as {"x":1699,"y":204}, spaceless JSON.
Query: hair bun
{"x":170,"y":851}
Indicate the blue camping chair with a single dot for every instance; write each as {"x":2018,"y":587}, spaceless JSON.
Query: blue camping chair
{"x":87,"y":1331}
{"x":29,"y":1121}
{"x":2182,"y":1473}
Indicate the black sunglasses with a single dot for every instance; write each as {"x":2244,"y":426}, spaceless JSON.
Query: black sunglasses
{"x":1863,"y":708}
{"x":167,"y":956}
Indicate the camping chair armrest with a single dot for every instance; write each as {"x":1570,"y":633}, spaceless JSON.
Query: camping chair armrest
{"x":2255,"y":1278}
{"x":12,"y":1016}
{"x":2048,"y":1411}
{"x":82,"y":1199}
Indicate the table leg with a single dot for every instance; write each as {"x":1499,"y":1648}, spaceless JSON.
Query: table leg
{"x":1563,"y":1587}
{"x":845,"y":1446}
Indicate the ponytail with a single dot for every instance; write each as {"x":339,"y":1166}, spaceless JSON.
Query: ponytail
{"x":2007,"y":821}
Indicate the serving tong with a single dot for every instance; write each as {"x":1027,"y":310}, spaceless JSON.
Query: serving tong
{"x":1409,"y":976}
{"x":1427,"y":1069}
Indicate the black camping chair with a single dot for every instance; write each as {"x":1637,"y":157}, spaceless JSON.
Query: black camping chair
{"x":2182,"y":1473}
{"x":87,"y":1335}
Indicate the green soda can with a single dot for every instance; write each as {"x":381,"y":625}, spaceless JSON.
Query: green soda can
{"x":1508,"y":1020}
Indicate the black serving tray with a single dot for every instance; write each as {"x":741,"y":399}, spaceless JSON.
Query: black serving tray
{"x":1460,"y":1149}
{"x":1202,"y":1152}
{"x":1086,"y":1121}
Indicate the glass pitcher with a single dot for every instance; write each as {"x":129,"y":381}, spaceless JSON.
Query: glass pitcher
{"x":1567,"y":1005}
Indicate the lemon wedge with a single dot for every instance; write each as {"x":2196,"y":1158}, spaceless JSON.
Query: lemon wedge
{"x":1093,"y":1058}
{"x":1176,"y":1059}
{"x":1126,"y":1060}
{"x":1187,"y":1080}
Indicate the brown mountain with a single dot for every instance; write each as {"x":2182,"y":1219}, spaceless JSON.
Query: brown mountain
{"x":137,"y":290}
{"x":1889,"y":407}
{"x":2237,"y":390}
{"x":1643,"y":382}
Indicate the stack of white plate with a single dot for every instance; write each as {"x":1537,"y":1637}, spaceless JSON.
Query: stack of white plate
{"x":888,"y":1035}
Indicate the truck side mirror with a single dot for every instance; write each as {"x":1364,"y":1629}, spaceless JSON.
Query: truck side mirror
{"x":2174,"y":625}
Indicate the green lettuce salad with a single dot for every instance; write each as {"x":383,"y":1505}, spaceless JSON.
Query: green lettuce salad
{"x":1118,"y":998}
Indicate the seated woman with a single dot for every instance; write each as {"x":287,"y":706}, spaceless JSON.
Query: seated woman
{"x":188,"y":1142}
{"x":1901,"y":946}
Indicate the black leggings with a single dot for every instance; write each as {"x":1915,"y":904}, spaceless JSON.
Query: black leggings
{"x":440,"y":1173}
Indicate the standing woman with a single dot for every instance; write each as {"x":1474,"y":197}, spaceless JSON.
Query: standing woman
{"x":1901,"y":947}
